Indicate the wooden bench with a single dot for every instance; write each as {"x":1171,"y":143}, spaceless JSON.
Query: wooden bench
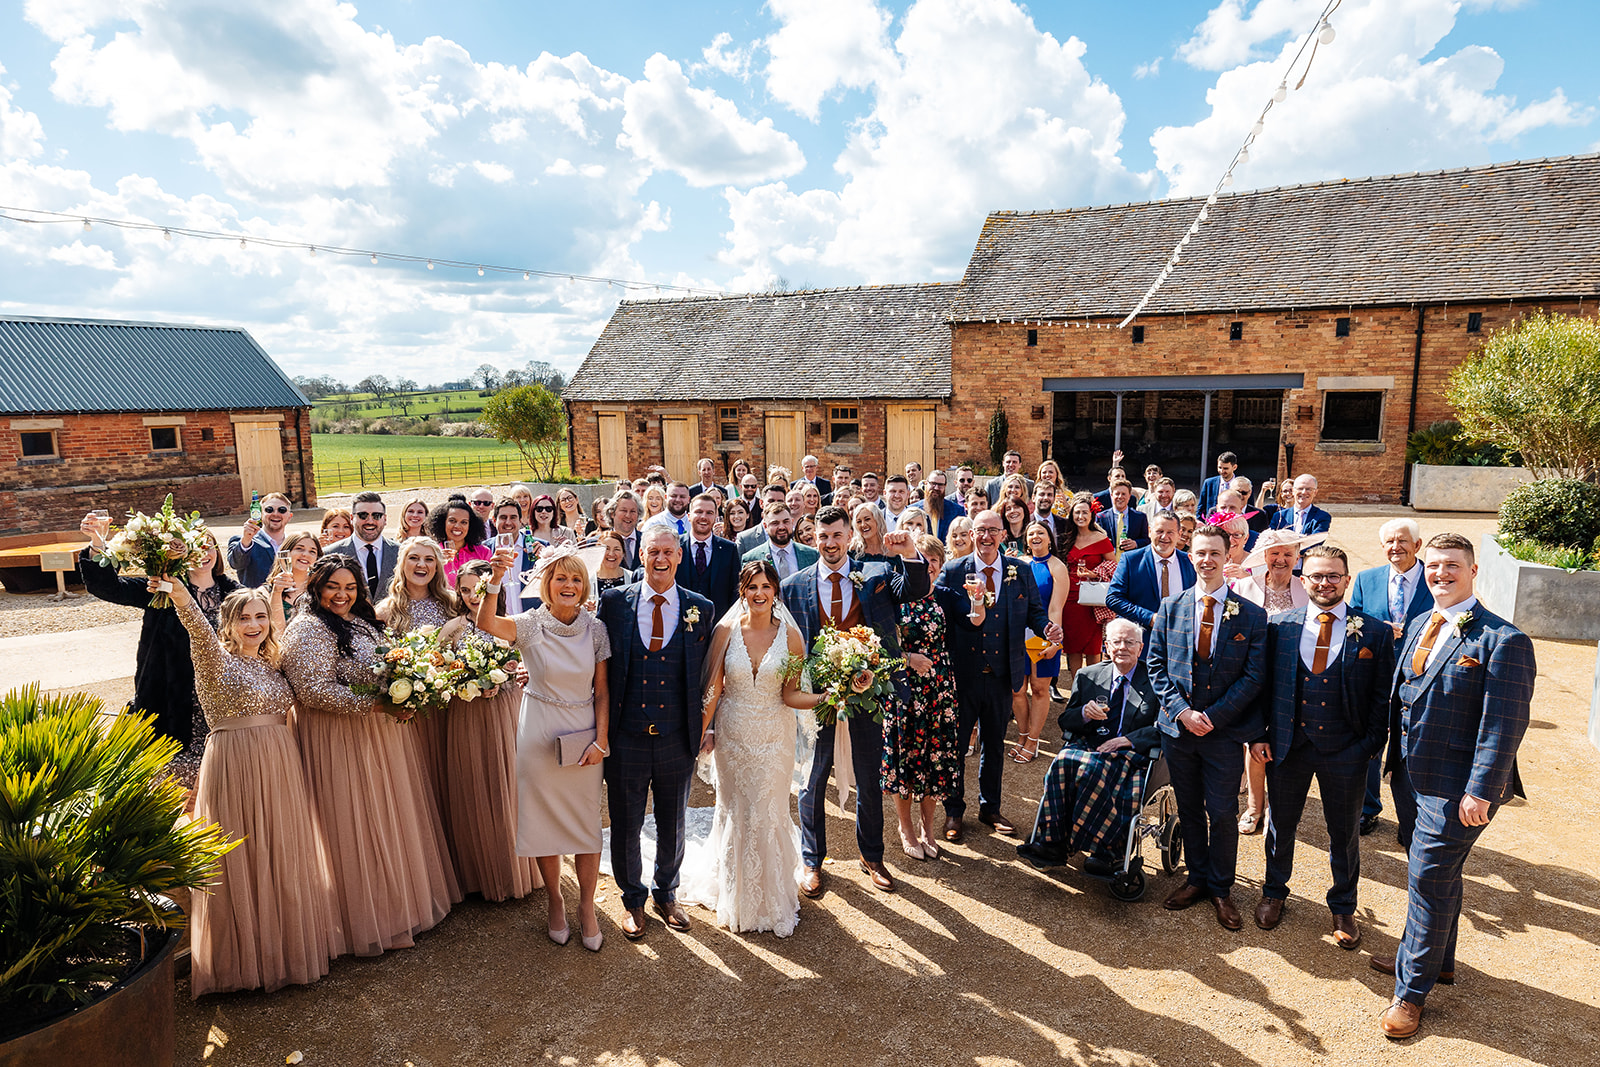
{"x":23,"y":558}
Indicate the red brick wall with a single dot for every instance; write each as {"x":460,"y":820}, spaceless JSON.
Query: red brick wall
{"x":106,"y":461}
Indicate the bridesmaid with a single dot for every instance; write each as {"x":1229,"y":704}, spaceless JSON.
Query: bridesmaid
{"x":287,"y":579}
{"x":391,"y":867}
{"x":419,"y":595}
{"x":481,"y":774}
{"x":268,"y":920}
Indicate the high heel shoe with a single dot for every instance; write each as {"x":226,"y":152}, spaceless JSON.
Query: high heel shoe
{"x":561,"y":936}
{"x":592,"y":943}
{"x":1023,"y":753}
{"x":912,"y":847}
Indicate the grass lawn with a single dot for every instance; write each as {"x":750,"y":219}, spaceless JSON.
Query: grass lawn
{"x":362,"y":405}
{"x":346,"y":461}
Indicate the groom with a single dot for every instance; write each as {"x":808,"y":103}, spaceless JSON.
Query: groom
{"x":841,"y":592}
{"x":659,"y":635}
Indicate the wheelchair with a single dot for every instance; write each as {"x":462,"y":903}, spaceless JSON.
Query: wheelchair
{"x":1156,"y":820}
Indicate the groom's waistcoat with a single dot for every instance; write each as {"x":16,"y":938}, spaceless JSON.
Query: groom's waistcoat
{"x":655,"y":691}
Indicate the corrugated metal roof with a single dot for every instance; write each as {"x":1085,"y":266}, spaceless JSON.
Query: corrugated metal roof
{"x":72,"y":365}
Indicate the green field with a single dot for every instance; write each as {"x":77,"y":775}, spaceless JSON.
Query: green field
{"x":345,"y":461}
{"x":363,"y":405}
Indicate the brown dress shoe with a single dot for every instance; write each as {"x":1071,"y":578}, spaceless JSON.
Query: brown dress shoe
{"x":1346,"y":934}
{"x":811,"y":883}
{"x":1269,"y":913}
{"x":996,"y":820}
{"x":673,"y":915}
{"x":1227,"y":914}
{"x":1400,"y":1020}
{"x":1385,"y":965}
{"x":952,"y":830}
{"x":633,"y":924}
{"x":881,"y":878}
{"x":1184,"y":896}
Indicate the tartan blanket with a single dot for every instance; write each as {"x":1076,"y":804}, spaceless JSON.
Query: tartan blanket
{"x":1089,"y":800}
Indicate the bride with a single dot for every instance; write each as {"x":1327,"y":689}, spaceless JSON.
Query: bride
{"x":748,"y":870}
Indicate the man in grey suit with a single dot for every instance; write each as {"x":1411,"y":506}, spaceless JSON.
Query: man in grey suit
{"x":757,"y":535}
{"x":375,"y":554}
{"x":1011,"y":464}
{"x":780,"y":548}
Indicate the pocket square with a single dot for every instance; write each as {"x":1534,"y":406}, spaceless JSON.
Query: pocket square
{"x":1238,"y":637}
{"x":1467,"y":661}
{"x":1365,"y":653}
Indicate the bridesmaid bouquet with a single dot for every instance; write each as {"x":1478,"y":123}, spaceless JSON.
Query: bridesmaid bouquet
{"x":851,"y":669}
{"x":163,"y":545}
{"x":489,"y":663}
{"x":415,"y":673}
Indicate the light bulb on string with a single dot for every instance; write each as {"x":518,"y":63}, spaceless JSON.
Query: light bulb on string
{"x":525,"y":275}
{"x":311,"y":252}
{"x":1244,"y":155}
{"x":1227,"y":179}
{"x":242,"y":242}
{"x":87,"y":225}
{"x":166,"y":235}
{"x":480,"y":272}
{"x":1326,"y":35}
{"x":374,"y":257}
{"x":430,"y":264}
{"x":1255,"y":131}
{"x":1281,"y":93}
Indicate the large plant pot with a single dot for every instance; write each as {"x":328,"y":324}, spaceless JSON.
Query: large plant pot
{"x":1464,"y":488}
{"x":1541,"y":601}
{"x":1594,"y":703}
{"x":132,"y":1025}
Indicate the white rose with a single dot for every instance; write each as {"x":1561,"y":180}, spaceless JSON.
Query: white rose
{"x":498,"y":676}
{"x":399,"y":690}
{"x":470,"y":691}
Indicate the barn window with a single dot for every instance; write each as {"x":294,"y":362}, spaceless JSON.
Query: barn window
{"x":1236,"y":331}
{"x":1352,"y":416}
{"x":1033,"y":338}
{"x":208,"y":434}
{"x":1341,"y":327}
{"x":1138,"y":335}
{"x":844,"y":426}
{"x":1474,"y":321}
{"x":164,"y":439}
{"x":728,"y":425}
{"x":39,"y":444}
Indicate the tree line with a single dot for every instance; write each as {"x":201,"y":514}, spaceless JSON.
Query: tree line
{"x":488,"y":379}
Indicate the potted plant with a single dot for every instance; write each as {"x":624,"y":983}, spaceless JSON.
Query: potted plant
{"x":1541,"y":569}
{"x":92,"y":839}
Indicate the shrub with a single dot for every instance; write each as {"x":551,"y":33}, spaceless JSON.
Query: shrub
{"x":999,"y":434}
{"x":1553,"y":512}
{"x":1568,"y":559}
{"x":1443,"y":444}
{"x":464,"y":429}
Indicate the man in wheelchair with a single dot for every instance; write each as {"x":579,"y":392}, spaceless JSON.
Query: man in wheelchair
{"x":1094,"y":785}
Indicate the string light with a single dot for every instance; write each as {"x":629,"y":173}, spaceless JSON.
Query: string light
{"x":87,"y":225}
{"x":311,"y":252}
{"x":167,"y":234}
{"x":374,"y":257}
{"x":480,"y":272}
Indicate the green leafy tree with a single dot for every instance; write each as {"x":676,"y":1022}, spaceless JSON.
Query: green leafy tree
{"x":530,"y":417}
{"x":1534,"y":388}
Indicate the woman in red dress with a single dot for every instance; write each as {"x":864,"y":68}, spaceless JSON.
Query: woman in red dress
{"x":1090,"y":557}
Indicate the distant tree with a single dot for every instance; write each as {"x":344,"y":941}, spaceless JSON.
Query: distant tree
{"x":487,"y":376}
{"x":530,"y":417}
{"x":405,"y":385}
{"x":515,"y":377}
{"x":555,"y":383}
{"x":376,"y":384}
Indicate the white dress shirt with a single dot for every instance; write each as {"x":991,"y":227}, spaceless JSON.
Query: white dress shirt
{"x":783,"y":559}
{"x":1451,"y":614}
{"x":1219,"y":597}
{"x":511,"y":586}
{"x":891,"y":519}
{"x":1309,"y":632}
{"x":825,"y":587}
{"x":669,"y":614}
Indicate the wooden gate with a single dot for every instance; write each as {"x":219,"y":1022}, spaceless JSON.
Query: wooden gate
{"x":910,"y":437}
{"x":259,"y":449}
{"x":613,"y":445}
{"x":680,"y":446}
{"x":785,"y":441}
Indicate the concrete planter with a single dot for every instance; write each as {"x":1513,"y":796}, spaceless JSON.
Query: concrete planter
{"x":1594,"y":703}
{"x":1542,"y":601}
{"x":1464,"y":488}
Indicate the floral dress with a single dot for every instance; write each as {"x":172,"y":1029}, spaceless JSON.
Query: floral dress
{"x":920,"y":757}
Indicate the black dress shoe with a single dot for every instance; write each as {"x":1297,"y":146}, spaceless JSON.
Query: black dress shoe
{"x":1369,"y":823}
{"x":1101,"y":864}
{"x":1041,"y":856}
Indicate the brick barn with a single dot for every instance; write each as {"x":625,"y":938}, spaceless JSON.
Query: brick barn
{"x":850,"y":375}
{"x":119,"y":414}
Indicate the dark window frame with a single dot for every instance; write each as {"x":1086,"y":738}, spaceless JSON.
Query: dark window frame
{"x":841,"y":416}
{"x":1345,"y":427}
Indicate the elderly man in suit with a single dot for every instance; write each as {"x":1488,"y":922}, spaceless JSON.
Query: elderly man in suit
{"x":1146,"y":577}
{"x":842,"y":592}
{"x":1396,"y":593}
{"x":990,"y":659}
{"x":1227,"y":467}
{"x":809,"y":475}
{"x":1304,"y":517}
{"x":1458,"y":712}
{"x":1010,"y":464}
{"x":1207,"y":660}
{"x":374,"y":553}
{"x":710,"y":563}
{"x":1327,"y":715}
{"x":1113,"y":709}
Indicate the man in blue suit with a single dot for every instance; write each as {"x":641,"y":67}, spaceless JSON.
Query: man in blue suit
{"x":1327,"y":706}
{"x":253,"y":552}
{"x":1143,"y":579}
{"x":659,"y":633}
{"x":1304,"y":517}
{"x":1396,"y":593}
{"x":1207,"y":660}
{"x":841,"y":592}
{"x":1126,"y":525}
{"x":998,"y":602}
{"x":1458,"y":712}
{"x":710,"y":564}
{"x":1211,"y":488}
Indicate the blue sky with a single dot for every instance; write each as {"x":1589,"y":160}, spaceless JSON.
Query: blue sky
{"x":726,"y":145}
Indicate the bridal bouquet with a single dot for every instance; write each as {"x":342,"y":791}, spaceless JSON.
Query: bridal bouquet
{"x":414,"y":672}
{"x":164,"y":545}
{"x":851,"y":668}
{"x":488,"y":662}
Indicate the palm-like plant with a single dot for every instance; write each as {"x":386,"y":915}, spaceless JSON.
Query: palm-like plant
{"x":91,"y":837}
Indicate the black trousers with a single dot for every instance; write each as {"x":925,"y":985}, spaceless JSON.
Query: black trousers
{"x":986,"y":702}
{"x":1342,"y":781}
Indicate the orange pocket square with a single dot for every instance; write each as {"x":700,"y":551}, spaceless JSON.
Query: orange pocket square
{"x":1365,"y":653}
{"x":1238,"y":637}
{"x":1467,"y":661}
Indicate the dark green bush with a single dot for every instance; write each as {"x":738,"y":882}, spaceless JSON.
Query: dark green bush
{"x":1444,"y":444}
{"x":1554,"y":511}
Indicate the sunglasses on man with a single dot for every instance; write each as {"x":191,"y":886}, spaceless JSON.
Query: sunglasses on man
{"x":276,"y":510}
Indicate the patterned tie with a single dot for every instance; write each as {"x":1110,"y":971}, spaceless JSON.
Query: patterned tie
{"x":1419,"y":658}
{"x":1206,"y":626}
{"x":836,"y":609}
{"x":1163,"y":563}
{"x":1319,"y":658}
{"x":780,"y":562}
{"x":700,"y":563}
{"x":1397,"y":598}
{"x":658,"y":629}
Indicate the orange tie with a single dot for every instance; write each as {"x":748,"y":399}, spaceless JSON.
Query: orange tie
{"x":658,"y":629}
{"x":988,"y":579}
{"x":836,"y":609}
{"x":1162,"y":564}
{"x":1319,"y":659}
{"x":1419,"y":658}
{"x":1206,"y":626}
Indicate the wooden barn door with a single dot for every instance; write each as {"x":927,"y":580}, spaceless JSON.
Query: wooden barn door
{"x":910,"y":437}
{"x":613,"y":445}
{"x":260,"y":454}
{"x":785,"y":441}
{"x":680,"y":446}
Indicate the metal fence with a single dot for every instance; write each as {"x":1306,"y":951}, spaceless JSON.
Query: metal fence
{"x":398,"y":471}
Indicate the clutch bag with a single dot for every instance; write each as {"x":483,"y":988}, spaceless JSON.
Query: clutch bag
{"x":571,"y":747}
{"x":1093,"y":594}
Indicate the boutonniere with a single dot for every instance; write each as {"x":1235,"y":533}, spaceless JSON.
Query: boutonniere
{"x":1230,"y":608}
{"x":988,"y":600}
{"x":1463,"y":621}
{"x":1011,"y":574}
{"x":1352,"y":626}
{"x":858,"y":579}
{"x":691,"y":617}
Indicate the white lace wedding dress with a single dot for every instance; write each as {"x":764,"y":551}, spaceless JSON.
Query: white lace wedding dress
{"x":748,"y":869}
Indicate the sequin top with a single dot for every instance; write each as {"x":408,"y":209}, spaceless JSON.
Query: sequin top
{"x":320,"y":676}
{"x":230,"y":686}
{"x":427,"y":612}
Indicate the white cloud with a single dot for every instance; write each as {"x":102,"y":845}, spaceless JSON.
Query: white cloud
{"x":1148,"y":70}
{"x":699,"y":134}
{"x":1374,"y":103}
{"x":509,"y":130}
{"x":823,"y":45}
{"x":495,"y":172}
{"x":734,"y":62}
{"x":21,"y":135}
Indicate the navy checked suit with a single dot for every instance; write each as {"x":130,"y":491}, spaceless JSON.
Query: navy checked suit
{"x":881,"y":591}
{"x":985,"y":681}
{"x":652,"y":749}
{"x":1205,"y":770}
{"x":1332,"y":740}
{"x":1454,"y":730}
{"x":1369,"y":593}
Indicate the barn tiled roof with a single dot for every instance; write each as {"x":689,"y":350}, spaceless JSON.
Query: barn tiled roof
{"x":1512,"y":230}
{"x":51,"y":366}
{"x":877,"y":341}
